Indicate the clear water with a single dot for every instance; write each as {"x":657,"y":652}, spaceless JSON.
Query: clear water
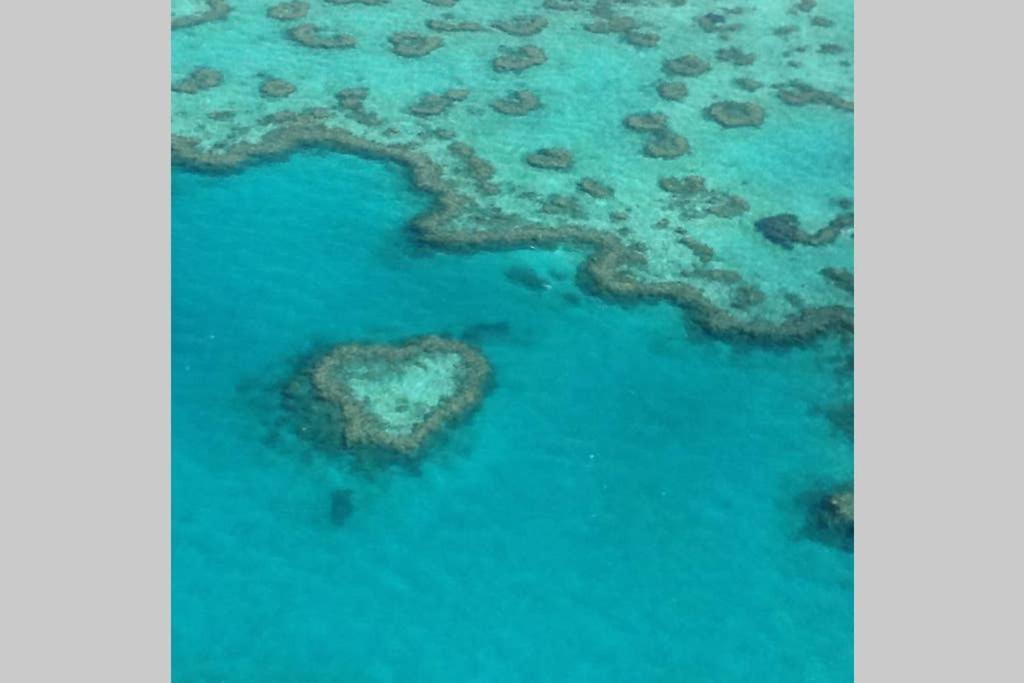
{"x":623,"y":507}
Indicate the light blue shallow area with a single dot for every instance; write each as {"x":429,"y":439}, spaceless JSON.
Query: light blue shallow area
{"x":623,"y":507}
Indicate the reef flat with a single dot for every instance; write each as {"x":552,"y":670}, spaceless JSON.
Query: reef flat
{"x":391,"y":397}
{"x":658,"y":135}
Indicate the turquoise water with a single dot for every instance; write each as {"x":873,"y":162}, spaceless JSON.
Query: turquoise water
{"x":624,"y":506}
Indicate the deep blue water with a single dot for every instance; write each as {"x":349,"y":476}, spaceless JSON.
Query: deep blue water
{"x":623,"y":507}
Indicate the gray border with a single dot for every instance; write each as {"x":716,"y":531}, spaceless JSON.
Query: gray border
{"x":938,"y":513}
{"x":86,"y":343}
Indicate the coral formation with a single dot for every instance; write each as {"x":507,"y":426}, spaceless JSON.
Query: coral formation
{"x":519,"y":59}
{"x":523,"y":25}
{"x":288,"y":11}
{"x":516,"y":103}
{"x":687,"y":65}
{"x":595,"y":188}
{"x":276,"y":88}
{"x":830,"y":517}
{"x":309,"y":35}
{"x":352,"y":101}
{"x":693,"y":200}
{"x":202,"y":78}
{"x":449,"y":26}
{"x":480,"y":169}
{"x":732,"y":114}
{"x":666,"y":145}
{"x":215,"y":11}
{"x":553,"y":158}
{"x":641,"y":38}
{"x":748,"y":84}
{"x":840,"y":277}
{"x":798,"y":93}
{"x":735,"y":56}
{"x":432,"y":105}
{"x":784,"y":229}
{"x":412,"y":45}
{"x":672,"y":90}
{"x":605,"y":272}
{"x":395,"y":397}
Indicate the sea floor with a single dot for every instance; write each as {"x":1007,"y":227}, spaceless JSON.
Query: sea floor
{"x":625,"y":505}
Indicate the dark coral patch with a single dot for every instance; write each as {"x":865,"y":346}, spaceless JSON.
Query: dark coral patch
{"x":523,"y":25}
{"x":748,"y":84}
{"x":672,"y":91}
{"x":519,"y":59}
{"x":202,"y":78}
{"x":646,"y":122}
{"x":784,"y":229}
{"x":215,"y":11}
{"x":448,"y":26}
{"x":288,"y":11}
{"x":412,"y":45}
{"x":731,"y":114}
{"x":831,"y":518}
{"x":840,"y":277}
{"x":798,"y":94}
{"x":551,"y":158}
{"x":516,"y":103}
{"x":276,"y":88}
{"x":432,"y":105}
{"x":309,"y":35}
{"x":735,"y":56}
{"x":594,"y":188}
{"x":687,"y":65}
{"x":666,"y":145}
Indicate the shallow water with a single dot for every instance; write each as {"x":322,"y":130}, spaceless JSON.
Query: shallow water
{"x":624,"y":506}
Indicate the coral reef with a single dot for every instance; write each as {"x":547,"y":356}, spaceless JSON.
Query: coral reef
{"x":736,"y":56}
{"x":715,"y":22}
{"x":449,"y":26}
{"x":432,"y":105}
{"x":663,"y":143}
{"x":798,"y":93}
{"x":732,"y":114}
{"x":519,"y":59}
{"x":523,"y":25}
{"x":687,"y":65}
{"x":412,"y":45}
{"x":644,"y":39}
{"x":784,"y":229}
{"x":395,"y":397}
{"x":672,"y":90}
{"x":666,"y":145}
{"x":352,"y":101}
{"x":202,"y":78}
{"x":840,"y":277}
{"x":605,"y":272}
{"x":516,"y":103}
{"x":309,"y":36}
{"x":693,"y":200}
{"x":288,"y":11}
{"x":830,"y":517}
{"x":748,"y":84}
{"x":276,"y":88}
{"x":552,"y":158}
{"x":215,"y":11}
{"x":595,"y":188}
{"x":480,"y":169}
